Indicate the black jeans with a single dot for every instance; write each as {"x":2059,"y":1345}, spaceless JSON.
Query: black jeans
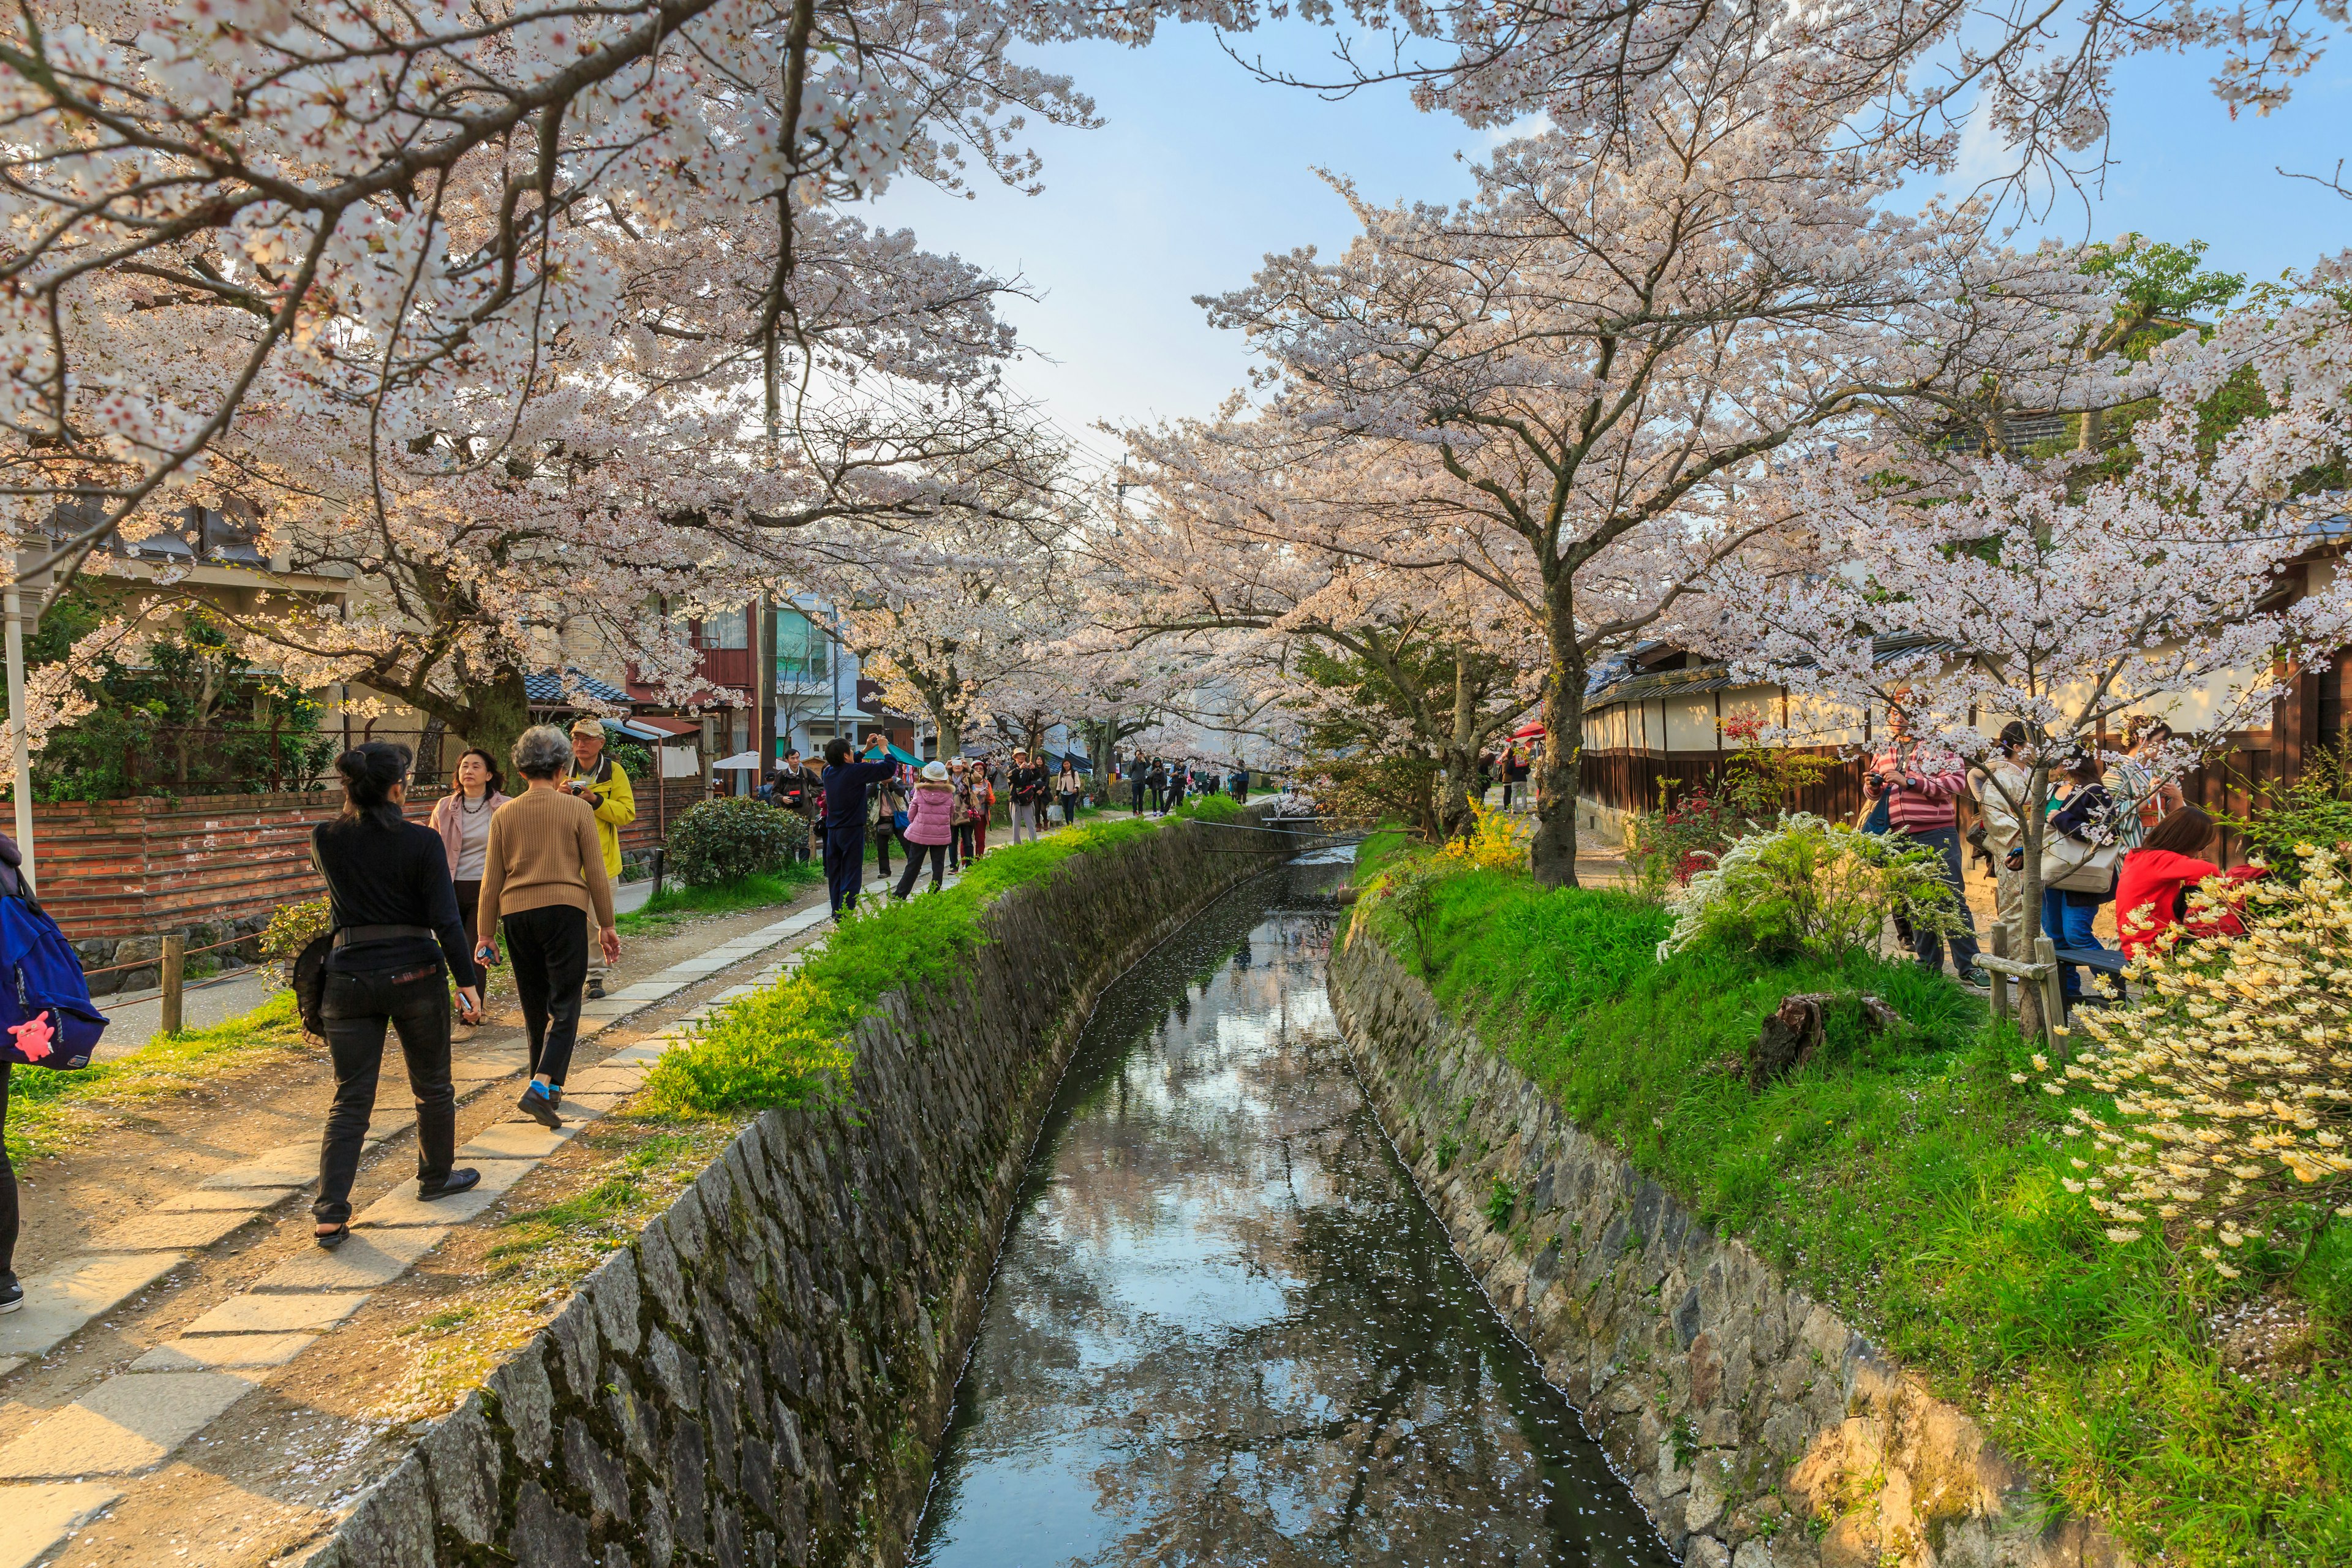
{"x":354,"y":1009}
{"x":469,"y":901}
{"x":961,"y":844}
{"x":884,"y":831}
{"x":844,"y":864}
{"x":915,"y":853}
{"x":1134,"y":796}
{"x":7,"y":1184}
{"x":1925,"y":945}
{"x":549,"y":949}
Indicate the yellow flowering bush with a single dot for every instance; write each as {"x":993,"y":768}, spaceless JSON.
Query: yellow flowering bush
{"x":2232,"y":1074}
{"x":1497,"y":841}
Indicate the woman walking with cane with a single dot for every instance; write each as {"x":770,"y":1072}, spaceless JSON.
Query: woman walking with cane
{"x":542,"y":877}
{"x":394,"y":910}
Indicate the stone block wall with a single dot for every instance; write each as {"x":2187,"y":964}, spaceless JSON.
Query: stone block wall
{"x":1757,"y":1427}
{"x":763,"y":1375}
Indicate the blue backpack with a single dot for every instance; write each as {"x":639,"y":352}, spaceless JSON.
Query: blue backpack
{"x":47,"y":1019}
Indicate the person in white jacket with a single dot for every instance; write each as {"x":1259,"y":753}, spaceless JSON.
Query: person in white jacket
{"x":1995,"y":785}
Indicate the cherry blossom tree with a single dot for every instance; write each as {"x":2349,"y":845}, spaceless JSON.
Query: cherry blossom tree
{"x":2019,"y":593}
{"x":1311,"y":578}
{"x":1612,"y":338}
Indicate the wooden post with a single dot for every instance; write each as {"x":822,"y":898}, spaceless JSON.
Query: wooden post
{"x":175,"y":967}
{"x":2000,"y":980}
{"x":2053,"y":992}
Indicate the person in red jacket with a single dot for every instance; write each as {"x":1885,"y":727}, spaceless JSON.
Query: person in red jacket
{"x":2153,"y":886}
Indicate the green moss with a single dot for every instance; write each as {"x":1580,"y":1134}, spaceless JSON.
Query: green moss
{"x":1904,"y":1179}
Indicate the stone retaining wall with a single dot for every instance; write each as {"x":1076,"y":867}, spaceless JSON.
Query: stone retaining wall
{"x":762,"y":1377}
{"x":1759,"y":1430}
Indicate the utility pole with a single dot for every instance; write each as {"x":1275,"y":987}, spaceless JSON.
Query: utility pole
{"x":20,"y":739}
{"x":763,"y":694}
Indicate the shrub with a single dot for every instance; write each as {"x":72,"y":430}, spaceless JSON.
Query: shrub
{"x":291,"y":928}
{"x":1670,"y":846}
{"x":1809,"y":886}
{"x":2232,"y":1076}
{"x":1497,"y":841}
{"x":2315,"y":808}
{"x":725,"y":840}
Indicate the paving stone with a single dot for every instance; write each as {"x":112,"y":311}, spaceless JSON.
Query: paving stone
{"x":124,"y":1425}
{"x":482,"y":1070}
{"x":204,"y":1200}
{"x":360,"y":1263}
{"x":644,"y":1051}
{"x":384,"y":1125}
{"x":61,"y":1299}
{"x":276,"y":1314}
{"x":646,"y":991}
{"x":34,"y":1519}
{"x":171,"y":1232}
{"x":588,"y":1107}
{"x":517,"y":1139}
{"x":404,"y":1207}
{"x":222,"y":1351}
{"x":288,"y":1165}
{"x":625,"y":1079}
{"x":9,"y":1363}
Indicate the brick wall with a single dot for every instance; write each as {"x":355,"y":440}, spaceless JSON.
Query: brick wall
{"x":136,"y":868}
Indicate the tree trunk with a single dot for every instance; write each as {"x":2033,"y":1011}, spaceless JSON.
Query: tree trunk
{"x":2028,"y":926}
{"x":1455,"y":818}
{"x":493,"y":716}
{"x":1558,"y":772}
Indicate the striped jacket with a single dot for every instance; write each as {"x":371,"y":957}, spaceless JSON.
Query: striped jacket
{"x":1927,"y":791}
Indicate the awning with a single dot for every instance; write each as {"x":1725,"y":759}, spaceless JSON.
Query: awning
{"x":739,"y":760}
{"x":898,"y":755}
{"x":676,"y":729}
{"x":653,"y":729}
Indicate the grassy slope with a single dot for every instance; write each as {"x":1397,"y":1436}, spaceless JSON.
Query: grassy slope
{"x":1908,"y":1182}
{"x":48,"y":1112}
{"x":676,"y":902}
{"x":785,"y":1044}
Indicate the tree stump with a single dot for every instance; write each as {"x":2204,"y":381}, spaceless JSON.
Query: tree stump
{"x":1792,"y":1033}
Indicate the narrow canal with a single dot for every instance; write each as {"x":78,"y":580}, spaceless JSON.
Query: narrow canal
{"x":1224,"y":1329}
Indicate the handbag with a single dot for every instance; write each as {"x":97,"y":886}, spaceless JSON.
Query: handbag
{"x":47,"y":1018}
{"x":899,"y":821}
{"x":2071,"y":866}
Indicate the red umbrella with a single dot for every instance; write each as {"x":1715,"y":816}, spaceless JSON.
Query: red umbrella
{"x":1526,"y":732}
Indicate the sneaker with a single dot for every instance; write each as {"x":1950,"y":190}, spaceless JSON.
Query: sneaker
{"x":1976,"y":979}
{"x":539,"y":1105}
{"x":463,"y":1179}
{"x":595,"y":991}
{"x":12,"y":1295}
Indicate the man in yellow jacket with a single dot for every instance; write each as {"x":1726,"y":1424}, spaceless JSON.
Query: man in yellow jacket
{"x":604,"y":784}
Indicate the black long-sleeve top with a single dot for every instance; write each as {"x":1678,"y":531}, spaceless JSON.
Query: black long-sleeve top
{"x":844,"y":791}
{"x":380,"y":876}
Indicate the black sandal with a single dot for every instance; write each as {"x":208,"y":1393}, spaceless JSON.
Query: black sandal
{"x":332,"y":1239}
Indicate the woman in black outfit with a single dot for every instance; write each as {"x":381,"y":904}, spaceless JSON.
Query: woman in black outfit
{"x":396,"y":921}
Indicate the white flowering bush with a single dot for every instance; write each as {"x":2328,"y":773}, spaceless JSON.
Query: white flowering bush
{"x":2231,"y":1078}
{"x":1809,"y":885}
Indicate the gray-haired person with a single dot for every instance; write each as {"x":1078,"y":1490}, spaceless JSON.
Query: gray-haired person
{"x":542,"y":877}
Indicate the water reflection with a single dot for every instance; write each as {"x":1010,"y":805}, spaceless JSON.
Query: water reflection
{"x":1223,"y":1331}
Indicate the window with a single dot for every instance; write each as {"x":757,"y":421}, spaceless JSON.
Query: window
{"x":802,"y":648}
{"x":722,"y":628}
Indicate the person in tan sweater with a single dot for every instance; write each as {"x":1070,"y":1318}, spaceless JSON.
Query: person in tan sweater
{"x":542,"y":877}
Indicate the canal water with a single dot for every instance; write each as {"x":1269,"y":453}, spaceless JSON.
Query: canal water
{"x":1223,"y":1329}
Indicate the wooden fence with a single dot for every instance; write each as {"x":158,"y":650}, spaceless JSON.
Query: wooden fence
{"x":138,"y":867}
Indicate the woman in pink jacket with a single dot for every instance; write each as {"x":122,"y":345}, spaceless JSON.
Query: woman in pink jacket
{"x":462,"y":818}
{"x":931,"y":823}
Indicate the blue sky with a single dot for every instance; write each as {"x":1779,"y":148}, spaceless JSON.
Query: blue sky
{"x":1201,"y":171}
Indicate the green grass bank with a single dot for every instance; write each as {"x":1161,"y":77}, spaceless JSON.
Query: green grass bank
{"x":785,"y":1045}
{"x":1904,"y":1180}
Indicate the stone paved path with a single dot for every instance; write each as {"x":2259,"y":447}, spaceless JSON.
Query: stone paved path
{"x":68,"y":1464}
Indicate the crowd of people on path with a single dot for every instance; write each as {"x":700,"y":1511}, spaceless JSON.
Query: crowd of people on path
{"x":415,"y":907}
{"x":1162,"y":783}
{"x":2118,"y":831}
